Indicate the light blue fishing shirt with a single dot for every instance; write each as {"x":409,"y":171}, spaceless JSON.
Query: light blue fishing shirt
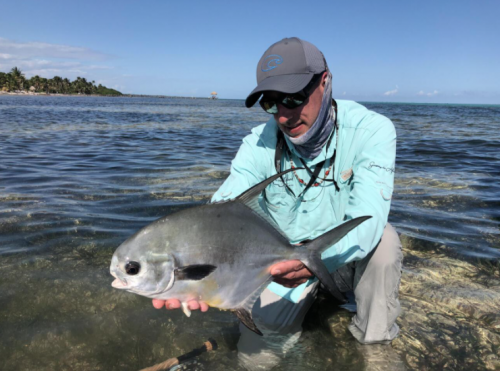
{"x":363,"y":169}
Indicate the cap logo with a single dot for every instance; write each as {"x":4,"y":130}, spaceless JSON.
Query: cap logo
{"x":271,"y":62}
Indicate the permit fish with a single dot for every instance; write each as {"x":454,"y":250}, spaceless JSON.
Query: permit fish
{"x":219,"y":253}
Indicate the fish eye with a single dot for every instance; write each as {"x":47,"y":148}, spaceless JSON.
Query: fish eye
{"x":132,"y":268}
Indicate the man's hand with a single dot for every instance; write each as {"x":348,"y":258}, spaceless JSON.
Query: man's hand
{"x":176,"y":304}
{"x":290,"y":273}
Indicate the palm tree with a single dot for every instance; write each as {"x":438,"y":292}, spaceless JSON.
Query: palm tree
{"x":57,"y":83}
{"x":35,"y":82}
{"x":85,"y":85}
{"x":15,"y":80}
{"x":3,"y":79}
{"x":77,"y":85}
{"x":18,"y":78}
{"x":44,"y":84}
{"x":66,"y":86}
{"x":11,"y":84}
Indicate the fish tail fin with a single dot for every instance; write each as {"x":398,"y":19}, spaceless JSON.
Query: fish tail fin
{"x":315,"y":247}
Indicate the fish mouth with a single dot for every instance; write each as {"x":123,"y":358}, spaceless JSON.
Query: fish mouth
{"x":118,"y":283}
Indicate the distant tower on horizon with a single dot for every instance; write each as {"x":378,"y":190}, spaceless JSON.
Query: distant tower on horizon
{"x":213,"y":95}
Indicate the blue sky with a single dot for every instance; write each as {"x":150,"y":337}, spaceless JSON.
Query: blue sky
{"x":398,"y":51}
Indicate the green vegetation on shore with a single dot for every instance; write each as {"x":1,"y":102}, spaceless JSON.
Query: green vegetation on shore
{"x":14,"y":81}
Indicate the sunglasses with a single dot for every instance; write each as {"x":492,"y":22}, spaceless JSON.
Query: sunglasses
{"x":289,"y":101}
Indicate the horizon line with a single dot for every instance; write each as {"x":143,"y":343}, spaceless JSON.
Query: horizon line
{"x":360,"y":101}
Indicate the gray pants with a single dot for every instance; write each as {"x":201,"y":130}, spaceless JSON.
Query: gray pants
{"x":375,"y":281}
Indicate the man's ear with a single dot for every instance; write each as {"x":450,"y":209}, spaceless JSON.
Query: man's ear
{"x":323,"y":78}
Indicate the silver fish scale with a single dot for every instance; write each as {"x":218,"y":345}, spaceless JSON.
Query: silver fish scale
{"x":231,"y":230}
{"x":231,"y":237}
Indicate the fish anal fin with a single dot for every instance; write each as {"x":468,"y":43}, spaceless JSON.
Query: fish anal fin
{"x":194,"y":272}
{"x":244,"y":310}
{"x":245,"y":317}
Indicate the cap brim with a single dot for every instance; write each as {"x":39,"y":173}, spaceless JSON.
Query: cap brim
{"x":282,"y":83}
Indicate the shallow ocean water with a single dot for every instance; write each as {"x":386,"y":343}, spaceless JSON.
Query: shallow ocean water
{"x":78,"y":175}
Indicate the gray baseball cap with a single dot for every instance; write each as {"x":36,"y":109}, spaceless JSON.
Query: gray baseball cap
{"x":287,"y":66}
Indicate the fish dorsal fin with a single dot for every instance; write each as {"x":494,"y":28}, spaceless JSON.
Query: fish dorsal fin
{"x":250,"y":198}
{"x":257,"y":209}
{"x":256,"y":190}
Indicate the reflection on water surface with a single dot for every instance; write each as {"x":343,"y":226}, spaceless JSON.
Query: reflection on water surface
{"x":78,"y":175}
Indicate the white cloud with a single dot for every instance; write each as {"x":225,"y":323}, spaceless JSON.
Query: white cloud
{"x":96,"y":67}
{"x":392,"y":92}
{"x":39,"y":63}
{"x":430,"y":94}
{"x":48,"y":60}
{"x":51,"y":72}
{"x":47,"y":50}
{"x":46,"y":68}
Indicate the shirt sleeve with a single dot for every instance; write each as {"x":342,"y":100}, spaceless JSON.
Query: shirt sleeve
{"x":246,"y":170}
{"x":369,"y":193}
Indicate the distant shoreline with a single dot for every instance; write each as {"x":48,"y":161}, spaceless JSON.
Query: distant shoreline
{"x":24,"y":94}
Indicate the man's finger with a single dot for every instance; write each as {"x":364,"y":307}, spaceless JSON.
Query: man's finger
{"x":304,"y":273}
{"x":286,"y":267}
{"x":172,"y":304}
{"x":193,"y":305}
{"x":157,"y":303}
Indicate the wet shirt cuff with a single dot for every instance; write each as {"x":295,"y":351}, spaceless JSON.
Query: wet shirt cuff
{"x":292,"y":295}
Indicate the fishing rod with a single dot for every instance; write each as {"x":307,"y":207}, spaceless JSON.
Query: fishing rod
{"x":208,"y":346}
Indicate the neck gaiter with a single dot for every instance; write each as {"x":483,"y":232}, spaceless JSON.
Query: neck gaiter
{"x":309,"y":144}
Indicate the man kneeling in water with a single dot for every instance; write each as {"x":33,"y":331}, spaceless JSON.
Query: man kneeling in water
{"x":349,"y":153}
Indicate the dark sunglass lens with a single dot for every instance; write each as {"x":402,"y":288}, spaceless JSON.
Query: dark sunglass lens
{"x":292,"y":102}
{"x":269,"y":106}
{"x":288,"y":101}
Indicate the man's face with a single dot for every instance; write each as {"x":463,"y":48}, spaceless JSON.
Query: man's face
{"x":296,"y":121}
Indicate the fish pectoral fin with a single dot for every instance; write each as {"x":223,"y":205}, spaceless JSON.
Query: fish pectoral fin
{"x":246,"y":318}
{"x":194,"y":272}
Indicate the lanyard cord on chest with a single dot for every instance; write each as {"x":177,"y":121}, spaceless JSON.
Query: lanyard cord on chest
{"x":281,"y":143}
